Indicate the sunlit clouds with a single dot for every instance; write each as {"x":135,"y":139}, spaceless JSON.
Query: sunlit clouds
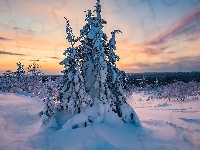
{"x":155,"y":36}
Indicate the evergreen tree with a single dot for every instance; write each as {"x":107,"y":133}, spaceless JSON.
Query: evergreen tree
{"x":90,"y":76}
{"x":49,"y":97}
{"x":19,"y":79}
{"x":72,"y":95}
{"x":14,"y":81}
{"x":7,"y":81}
{"x":103,"y":80}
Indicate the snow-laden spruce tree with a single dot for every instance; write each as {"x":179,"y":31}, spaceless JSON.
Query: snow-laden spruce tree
{"x":72,"y":95}
{"x":49,"y":94}
{"x":91,"y":78}
{"x":19,"y":78}
{"x":7,"y":81}
{"x":49,"y":97}
{"x":103,"y":80}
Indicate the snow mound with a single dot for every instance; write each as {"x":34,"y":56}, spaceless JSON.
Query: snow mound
{"x":129,"y":115}
{"x":164,"y":104}
{"x":101,"y":113}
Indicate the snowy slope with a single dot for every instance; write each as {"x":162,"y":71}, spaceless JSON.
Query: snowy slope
{"x":165,"y":125}
{"x":175,"y":122}
{"x":19,"y":120}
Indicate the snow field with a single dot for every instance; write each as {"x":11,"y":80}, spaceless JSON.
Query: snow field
{"x":170,"y":125}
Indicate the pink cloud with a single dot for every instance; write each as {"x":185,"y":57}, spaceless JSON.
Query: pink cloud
{"x":187,"y":25}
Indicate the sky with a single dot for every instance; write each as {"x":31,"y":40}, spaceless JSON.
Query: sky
{"x":157,"y":35}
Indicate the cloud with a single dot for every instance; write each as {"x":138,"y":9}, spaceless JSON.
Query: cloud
{"x":188,"y":27}
{"x":34,"y":60}
{"x":148,"y":65}
{"x":151,"y":51}
{"x":54,"y":58}
{"x":170,"y":52}
{"x":2,"y":38}
{"x":9,"y":53}
{"x":187,"y":63}
{"x":194,"y":38}
{"x":154,"y":51}
{"x":24,"y":31}
{"x":37,"y":60}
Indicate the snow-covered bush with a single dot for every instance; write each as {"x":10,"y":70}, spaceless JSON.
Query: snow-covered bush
{"x":13,"y":81}
{"x":180,"y":90}
{"x":7,"y":81}
{"x":19,"y":82}
{"x":49,"y":95}
{"x":90,"y":76}
{"x":34,"y":82}
{"x":173,"y":91}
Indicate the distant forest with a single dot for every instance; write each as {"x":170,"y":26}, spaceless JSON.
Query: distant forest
{"x":150,"y":78}
{"x":162,"y":78}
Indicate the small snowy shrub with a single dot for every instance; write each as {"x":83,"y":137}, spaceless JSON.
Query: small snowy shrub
{"x":34,"y":79}
{"x":49,"y":96}
{"x":20,"y":82}
{"x":180,"y":90}
{"x":14,"y":81}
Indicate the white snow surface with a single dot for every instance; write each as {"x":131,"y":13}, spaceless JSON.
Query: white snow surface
{"x":169,"y":125}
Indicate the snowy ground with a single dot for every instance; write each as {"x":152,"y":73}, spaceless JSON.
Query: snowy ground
{"x":165,"y":125}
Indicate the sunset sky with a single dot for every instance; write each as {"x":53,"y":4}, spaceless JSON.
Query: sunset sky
{"x":158,"y":35}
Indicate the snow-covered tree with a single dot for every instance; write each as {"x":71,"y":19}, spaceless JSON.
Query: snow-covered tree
{"x":7,"y":81}
{"x":34,"y":79}
{"x":19,"y":77}
{"x":20,"y":70}
{"x":90,"y":76}
{"x":104,"y":82}
{"x":13,"y":81}
{"x":49,"y":96}
{"x":72,"y":94}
